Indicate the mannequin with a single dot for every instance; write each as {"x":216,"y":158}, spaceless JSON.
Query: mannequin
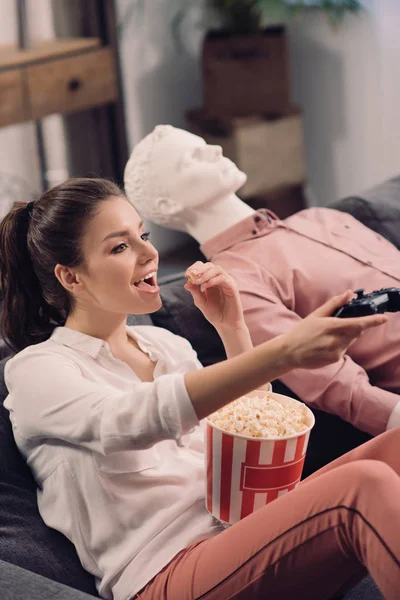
{"x":284,"y":269}
{"x":178,"y":181}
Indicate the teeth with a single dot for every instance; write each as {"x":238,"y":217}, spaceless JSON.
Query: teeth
{"x":147,"y":277}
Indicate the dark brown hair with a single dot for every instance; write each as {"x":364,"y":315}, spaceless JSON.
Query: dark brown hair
{"x":33,"y":240}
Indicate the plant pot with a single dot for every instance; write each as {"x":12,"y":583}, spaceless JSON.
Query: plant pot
{"x":246,"y":74}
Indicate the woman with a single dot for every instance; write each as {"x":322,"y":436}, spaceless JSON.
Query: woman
{"x":107,"y":418}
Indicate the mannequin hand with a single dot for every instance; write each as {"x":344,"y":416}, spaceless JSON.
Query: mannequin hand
{"x":215,"y":293}
{"x":320,"y":339}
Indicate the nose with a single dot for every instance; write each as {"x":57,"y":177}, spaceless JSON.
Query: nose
{"x":148,"y":253}
{"x":217,"y":151}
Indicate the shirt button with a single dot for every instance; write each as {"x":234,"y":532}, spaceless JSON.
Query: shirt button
{"x":254,"y":232}
{"x":257,"y":219}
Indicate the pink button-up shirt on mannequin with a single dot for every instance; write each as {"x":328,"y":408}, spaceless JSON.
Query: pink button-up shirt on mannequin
{"x":286,"y":269}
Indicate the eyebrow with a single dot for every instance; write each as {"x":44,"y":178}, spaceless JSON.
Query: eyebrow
{"x":123,"y":233}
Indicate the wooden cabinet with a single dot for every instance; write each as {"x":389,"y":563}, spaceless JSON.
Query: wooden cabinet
{"x":12,"y":109}
{"x":69,"y":84}
{"x":59,"y":76}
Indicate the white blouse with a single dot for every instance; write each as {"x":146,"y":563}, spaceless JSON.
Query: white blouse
{"x":118,"y":461}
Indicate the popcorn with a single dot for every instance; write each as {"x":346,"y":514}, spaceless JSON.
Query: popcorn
{"x":192,"y":276}
{"x":262,"y":417}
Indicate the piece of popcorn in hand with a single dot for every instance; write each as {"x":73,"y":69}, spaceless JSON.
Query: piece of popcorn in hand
{"x":192,"y":276}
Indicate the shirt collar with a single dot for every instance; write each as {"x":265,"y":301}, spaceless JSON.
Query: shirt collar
{"x":78,"y":341}
{"x":261,"y":222}
{"x":92,"y":345}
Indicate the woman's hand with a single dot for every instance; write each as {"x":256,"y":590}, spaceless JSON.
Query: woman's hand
{"x":215,"y":293}
{"x":320,"y":339}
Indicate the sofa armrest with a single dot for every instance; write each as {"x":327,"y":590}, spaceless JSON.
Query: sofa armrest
{"x":377,"y":208}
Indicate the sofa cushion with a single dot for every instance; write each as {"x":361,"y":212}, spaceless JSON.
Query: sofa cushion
{"x":378,"y":209}
{"x":139,"y":320}
{"x":365,"y":590}
{"x":24,"y":538}
{"x":16,"y":583}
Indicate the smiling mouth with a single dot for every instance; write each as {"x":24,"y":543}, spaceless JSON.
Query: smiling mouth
{"x":147,"y":283}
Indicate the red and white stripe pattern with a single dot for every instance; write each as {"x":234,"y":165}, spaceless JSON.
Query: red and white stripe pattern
{"x":243,"y":475}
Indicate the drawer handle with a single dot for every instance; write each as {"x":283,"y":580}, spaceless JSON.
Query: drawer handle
{"x":74,"y":84}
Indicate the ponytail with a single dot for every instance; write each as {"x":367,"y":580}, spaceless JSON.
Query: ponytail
{"x":25,"y":316}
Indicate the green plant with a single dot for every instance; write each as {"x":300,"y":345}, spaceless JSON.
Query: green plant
{"x":334,"y":9}
{"x":244,"y":16}
{"x":248,"y":15}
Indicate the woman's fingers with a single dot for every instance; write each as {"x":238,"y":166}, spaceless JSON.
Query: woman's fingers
{"x":327,"y":309}
{"x":354,"y":325}
{"x":319,"y":340}
{"x":222,"y":281}
{"x":360,"y":324}
{"x":205,"y":275}
{"x":195,"y":271}
{"x":196,"y":293}
{"x":209,"y":278}
{"x":345,"y":333}
{"x":209,"y":273}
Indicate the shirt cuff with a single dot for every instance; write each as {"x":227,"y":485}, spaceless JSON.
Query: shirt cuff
{"x":188,"y":419}
{"x":394,"y":419}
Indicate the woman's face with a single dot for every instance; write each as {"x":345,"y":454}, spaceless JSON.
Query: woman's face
{"x":117,"y":257}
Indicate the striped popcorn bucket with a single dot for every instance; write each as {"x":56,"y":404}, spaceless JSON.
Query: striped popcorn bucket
{"x":243,"y":473}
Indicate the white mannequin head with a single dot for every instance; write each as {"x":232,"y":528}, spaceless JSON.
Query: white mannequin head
{"x":171,"y":172}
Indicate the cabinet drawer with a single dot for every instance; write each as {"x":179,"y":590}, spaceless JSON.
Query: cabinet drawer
{"x":72,"y":83}
{"x":11,"y":98}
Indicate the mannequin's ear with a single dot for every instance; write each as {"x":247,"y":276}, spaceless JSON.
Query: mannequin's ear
{"x":167,"y":207}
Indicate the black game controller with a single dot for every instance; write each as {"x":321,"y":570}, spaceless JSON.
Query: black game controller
{"x":380,"y":301}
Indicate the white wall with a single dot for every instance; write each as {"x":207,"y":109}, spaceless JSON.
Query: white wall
{"x":347,"y":83}
{"x":389,"y":36}
{"x":160,"y":78}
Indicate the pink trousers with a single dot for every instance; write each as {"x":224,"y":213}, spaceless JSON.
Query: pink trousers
{"x":313,"y":543}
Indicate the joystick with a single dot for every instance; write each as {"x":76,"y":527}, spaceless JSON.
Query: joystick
{"x":379,"y":301}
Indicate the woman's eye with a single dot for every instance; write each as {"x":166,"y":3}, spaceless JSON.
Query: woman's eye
{"x":145,"y":236}
{"x":118,"y":249}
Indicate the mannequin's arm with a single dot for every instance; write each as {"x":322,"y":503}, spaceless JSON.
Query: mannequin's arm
{"x":342,"y":388}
